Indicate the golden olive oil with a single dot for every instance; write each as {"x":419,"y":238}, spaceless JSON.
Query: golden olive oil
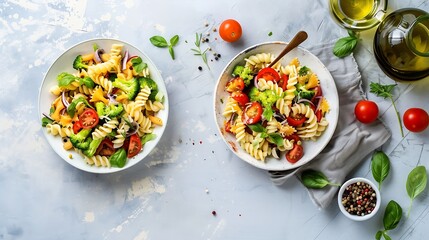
{"x":401,"y":45}
{"x":357,"y":9}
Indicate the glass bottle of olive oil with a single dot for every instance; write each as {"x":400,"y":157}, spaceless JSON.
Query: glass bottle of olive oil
{"x":401,"y":44}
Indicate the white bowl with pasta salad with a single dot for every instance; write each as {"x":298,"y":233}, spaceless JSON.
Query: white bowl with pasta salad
{"x":276,"y":118}
{"x":103,"y":105}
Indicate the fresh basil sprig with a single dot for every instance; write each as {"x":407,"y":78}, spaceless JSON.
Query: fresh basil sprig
{"x":385,"y":91}
{"x":315,"y":179}
{"x":346,"y":45}
{"x":416,"y":183}
{"x":391,"y":219}
{"x":159,"y":41}
{"x":380,"y":167}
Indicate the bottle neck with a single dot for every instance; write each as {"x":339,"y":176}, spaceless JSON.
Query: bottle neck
{"x":418,"y":36}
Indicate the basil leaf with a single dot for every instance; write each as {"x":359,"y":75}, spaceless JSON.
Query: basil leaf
{"x":392,"y":215}
{"x":416,"y":183}
{"x":171,"y":51}
{"x":256,"y":127}
{"x":277,"y":139}
{"x":387,"y":237}
{"x":378,"y":235}
{"x":87,"y":81}
{"x":138,"y":64}
{"x":345,"y":46}
{"x":119,"y":158}
{"x":95,"y":47}
{"x":159,"y":41}
{"x":174,"y":40}
{"x":315,"y":179}
{"x":147,"y":137}
{"x":65,"y":79}
{"x":380,"y":166}
{"x":71,"y":110}
{"x":46,"y":121}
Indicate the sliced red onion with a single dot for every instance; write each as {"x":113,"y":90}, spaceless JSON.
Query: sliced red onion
{"x":64,"y":100}
{"x":47,"y":116}
{"x":281,"y":116}
{"x":97,"y":55}
{"x":134,"y":128}
{"x":255,"y":82}
{"x":305,"y":100}
{"x":319,"y":101}
{"x":112,"y":99}
{"x":125,"y":60}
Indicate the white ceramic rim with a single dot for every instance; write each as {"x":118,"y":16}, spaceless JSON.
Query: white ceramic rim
{"x":329,"y":132}
{"x":355,"y":217}
{"x":78,"y":160}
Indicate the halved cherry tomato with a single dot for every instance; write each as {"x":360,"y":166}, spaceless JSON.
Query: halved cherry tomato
{"x":240,"y":97}
{"x":296,"y":121}
{"x":252,"y":113}
{"x":105,"y":148}
{"x":77,"y":126}
{"x":319,"y":115}
{"x":89,"y":118}
{"x":269,"y":74}
{"x":295,"y":153}
{"x":135,"y":146}
{"x":293,"y":137}
{"x":230,"y":30}
{"x":283,"y":81}
{"x":235,"y":84}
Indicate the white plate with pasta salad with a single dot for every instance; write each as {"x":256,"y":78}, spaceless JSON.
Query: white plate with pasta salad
{"x":103,"y":105}
{"x":276,"y":118}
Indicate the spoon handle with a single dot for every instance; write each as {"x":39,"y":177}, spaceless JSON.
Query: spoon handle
{"x":300,"y":37}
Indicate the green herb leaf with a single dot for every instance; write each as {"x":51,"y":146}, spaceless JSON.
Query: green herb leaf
{"x":65,"y":79}
{"x":46,"y":121}
{"x":171,"y":51}
{"x":87,"y":81}
{"x":416,"y":183}
{"x":303,"y":71}
{"x":138,"y":64}
{"x":198,"y":51}
{"x":256,"y":127}
{"x":95,"y":47}
{"x":345,"y":46}
{"x":387,"y":237}
{"x":268,"y":113}
{"x":378,"y":235}
{"x":119,"y":158}
{"x":315,"y":179}
{"x":71,"y":110}
{"x":148,"y":137}
{"x":270,"y":34}
{"x":385,"y":91}
{"x":277,"y":139}
{"x":174,"y":40}
{"x":380,"y":166}
{"x":158,"y":41}
{"x":392,"y":215}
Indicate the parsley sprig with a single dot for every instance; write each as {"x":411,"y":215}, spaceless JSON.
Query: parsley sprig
{"x":385,"y":91}
{"x":198,"y":51}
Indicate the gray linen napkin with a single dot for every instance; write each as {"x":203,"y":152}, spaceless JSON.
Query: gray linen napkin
{"x":352,"y":140}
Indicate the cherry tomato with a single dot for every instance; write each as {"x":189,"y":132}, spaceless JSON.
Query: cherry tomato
{"x":283,"y":81}
{"x":317,"y":94}
{"x":240,"y":97}
{"x":295,"y":153}
{"x":252,"y":113}
{"x":135,"y":146}
{"x":235,"y":84}
{"x":366,"y":111}
{"x":105,"y":148}
{"x":296,"y":121}
{"x":416,"y":119}
{"x":227,"y":125}
{"x":319,"y":115}
{"x":89,"y":118}
{"x":269,"y":74}
{"x":293,"y":137}
{"x":77,"y":126}
{"x":230,"y":30}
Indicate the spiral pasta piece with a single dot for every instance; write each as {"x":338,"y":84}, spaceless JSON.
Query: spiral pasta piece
{"x":98,"y":160}
{"x":141,"y":98}
{"x":106,"y":128}
{"x":231,"y":107}
{"x":240,"y":130}
{"x":56,"y":129}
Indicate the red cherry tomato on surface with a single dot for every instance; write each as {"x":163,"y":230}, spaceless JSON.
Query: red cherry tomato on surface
{"x":135,"y":146}
{"x":89,"y":118}
{"x":252,"y":113}
{"x":416,"y":119}
{"x":230,"y":30}
{"x":283,"y":81}
{"x":235,"y":84}
{"x":240,"y":97}
{"x":269,"y":74}
{"x":366,"y":111}
{"x":295,"y":153}
{"x":296,"y":121}
{"x":77,"y":126}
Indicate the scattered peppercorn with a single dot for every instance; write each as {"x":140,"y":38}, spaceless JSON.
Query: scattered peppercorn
{"x":214,"y":213}
{"x":200,"y":68}
{"x":359,"y":199}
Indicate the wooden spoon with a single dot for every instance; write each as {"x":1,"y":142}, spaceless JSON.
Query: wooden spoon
{"x":300,"y":37}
